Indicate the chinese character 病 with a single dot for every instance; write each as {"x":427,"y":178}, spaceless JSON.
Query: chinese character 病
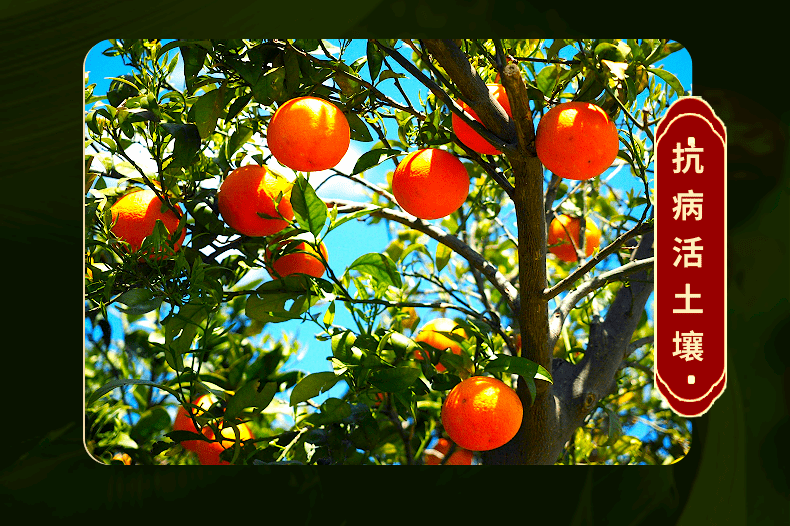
{"x":688,"y":204}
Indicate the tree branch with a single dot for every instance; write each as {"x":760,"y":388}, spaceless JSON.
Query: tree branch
{"x":568,"y":282}
{"x":570,"y":301}
{"x":493,"y":118}
{"x":578,"y":388}
{"x":476,"y":260}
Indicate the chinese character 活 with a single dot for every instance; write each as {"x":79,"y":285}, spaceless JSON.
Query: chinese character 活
{"x":687,"y":296}
{"x":689,"y":252}
{"x":688,"y":204}
{"x":692,"y":154}
{"x":688,"y":345}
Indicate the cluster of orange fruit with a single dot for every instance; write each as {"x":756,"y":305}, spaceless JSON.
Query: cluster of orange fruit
{"x":307,"y":134}
{"x":208,"y":452}
{"x":575,"y":140}
{"x":480,"y":413}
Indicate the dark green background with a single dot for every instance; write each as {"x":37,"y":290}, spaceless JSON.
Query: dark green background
{"x":736,"y":470}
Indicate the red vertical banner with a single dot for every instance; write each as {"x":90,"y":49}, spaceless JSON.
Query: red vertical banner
{"x":691,"y":257}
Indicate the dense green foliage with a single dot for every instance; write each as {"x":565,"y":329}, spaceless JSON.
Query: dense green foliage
{"x":194,"y":323}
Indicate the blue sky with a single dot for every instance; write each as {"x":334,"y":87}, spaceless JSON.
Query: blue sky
{"x":344,"y":244}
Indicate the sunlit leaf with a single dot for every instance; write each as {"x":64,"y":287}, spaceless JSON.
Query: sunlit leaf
{"x":310,"y":211}
{"x":313,"y":385}
{"x":378,"y":267}
{"x":254,"y":393}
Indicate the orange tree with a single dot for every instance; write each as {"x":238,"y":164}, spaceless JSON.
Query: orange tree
{"x":573,"y":339}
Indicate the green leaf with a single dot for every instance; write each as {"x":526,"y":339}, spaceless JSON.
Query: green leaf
{"x":293,"y":76}
{"x":669,"y":78}
{"x":533,"y":390}
{"x":353,"y":215}
{"x":608,"y":51}
{"x":113,"y":384}
{"x":270,"y":87}
{"x":402,"y":344}
{"x":313,"y":385}
{"x":375,"y":58}
{"x":150,"y":424}
{"x":205,"y":44}
{"x":359,"y":130}
{"x":237,"y":106}
{"x":662,"y":50}
{"x":343,"y":345}
{"x":187,"y":143}
{"x":549,"y":78}
{"x":194,"y":55}
{"x":120,"y":89}
{"x":379,"y":267}
{"x":180,"y":331}
{"x":208,"y":109}
{"x":521,"y":366}
{"x":139,"y":301}
{"x":307,"y":44}
{"x":389,"y":74}
{"x":332,"y":410}
{"x":395,"y":378}
{"x":329,"y":316}
{"x":255,"y":394}
{"x":268,"y":304}
{"x":443,"y":253}
{"x":309,"y":210}
{"x":373,"y":158}
{"x":239,"y":138}
{"x":614,"y":428}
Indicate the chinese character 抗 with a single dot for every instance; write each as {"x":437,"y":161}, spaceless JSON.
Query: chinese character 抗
{"x":692,"y":154}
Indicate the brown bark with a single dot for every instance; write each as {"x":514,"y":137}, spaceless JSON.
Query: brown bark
{"x":561,"y":407}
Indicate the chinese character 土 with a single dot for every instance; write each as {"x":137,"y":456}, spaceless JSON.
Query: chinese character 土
{"x":692,"y":154}
{"x":688,"y":345}
{"x":688,"y":204}
{"x":687,"y":296}
{"x":688,"y":253}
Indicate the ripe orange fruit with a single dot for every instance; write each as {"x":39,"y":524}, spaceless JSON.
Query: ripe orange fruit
{"x":481,"y":413}
{"x":123,"y":457}
{"x":302,"y":259}
{"x":428,"y":334}
{"x":564,"y":228}
{"x":460,"y":457}
{"x":250,"y":190}
{"x":576,"y":140}
{"x":467,"y":135}
{"x":184,"y":423}
{"x":308,"y":134}
{"x":430,"y":183}
{"x":208,"y":452}
{"x":135,"y":214}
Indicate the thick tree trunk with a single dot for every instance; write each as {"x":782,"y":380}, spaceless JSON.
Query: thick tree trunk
{"x":561,"y":407}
